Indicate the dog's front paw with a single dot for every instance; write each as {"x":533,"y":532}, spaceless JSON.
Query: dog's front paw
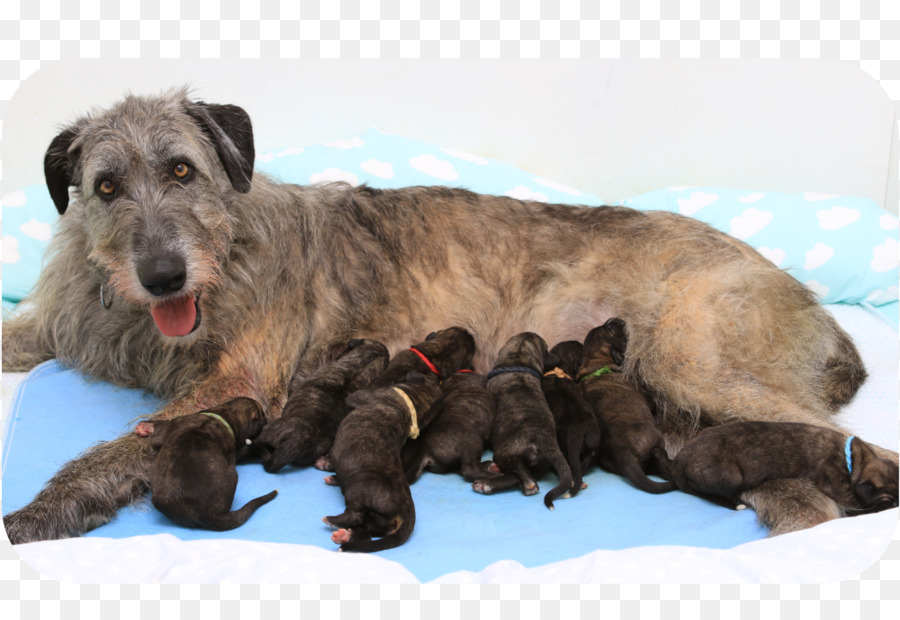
{"x":482,"y":486}
{"x":323,"y":463}
{"x":332,"y":481}
{"x":530,"y":488}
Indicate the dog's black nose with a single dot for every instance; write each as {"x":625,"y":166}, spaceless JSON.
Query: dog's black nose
{"x":164,"y":274}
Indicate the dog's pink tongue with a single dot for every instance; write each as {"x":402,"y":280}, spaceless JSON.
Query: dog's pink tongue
{"x":176,"y":317}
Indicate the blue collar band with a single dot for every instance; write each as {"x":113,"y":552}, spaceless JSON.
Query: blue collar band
{"x":849,"y":454}
{"x":505,"y":369}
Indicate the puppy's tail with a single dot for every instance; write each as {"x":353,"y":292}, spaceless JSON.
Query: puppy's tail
{"x":394,"y":539}
{"x":236,"y":518}
{"x":559,"y":465}
{"x":631,"y":470}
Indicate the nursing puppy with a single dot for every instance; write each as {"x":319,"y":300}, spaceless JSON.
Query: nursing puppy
{"x":459,"y":432}
{"x":724,"y":461}
{"x":366,"y":457}
{"x":629,"y":440}
{"x":442,"y":353}
{"x":315,"y":407}
{"x":577,"y":431}
{"x":523,"y":435}
{"x":193,"y":478}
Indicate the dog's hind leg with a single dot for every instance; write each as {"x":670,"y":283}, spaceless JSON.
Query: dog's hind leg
{"x":791,"y":504}
{"x":86,"y":492}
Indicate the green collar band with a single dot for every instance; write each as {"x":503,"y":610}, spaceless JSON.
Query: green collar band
{"x":220,"y":419}
{"x":605,"y":370}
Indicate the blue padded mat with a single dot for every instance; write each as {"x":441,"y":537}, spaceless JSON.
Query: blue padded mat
{"x":58,"y":414}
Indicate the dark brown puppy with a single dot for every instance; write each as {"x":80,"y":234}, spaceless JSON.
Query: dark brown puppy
{"x":456,"y":438}
{"x":724,"y":461}
{"x":193,"y":478}
{"x":577,"y":431}
{"x":366,"y":457}
{"x":315,"y":407}
{"x":523,"y":436}
{"x":629,"y":440}
{"x":442,"y":353}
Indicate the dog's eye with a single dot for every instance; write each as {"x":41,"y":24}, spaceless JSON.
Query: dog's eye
{"x":181,"y":170}
{"x":106,"y":188}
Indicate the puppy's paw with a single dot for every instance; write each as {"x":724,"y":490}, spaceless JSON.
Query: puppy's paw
{"x":323,"y":463}
{"x":332,"y":481}
{"x":340,"y":536}
{"x":143,"y":429}
{"x":530,"y":488}
{"x":493,"y":468}
{"x":482,"y":486}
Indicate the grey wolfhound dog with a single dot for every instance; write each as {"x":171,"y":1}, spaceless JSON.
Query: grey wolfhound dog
{"x":178,"y":271}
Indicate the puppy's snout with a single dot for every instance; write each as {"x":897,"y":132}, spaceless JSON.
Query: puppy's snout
{"x":163,"y":274}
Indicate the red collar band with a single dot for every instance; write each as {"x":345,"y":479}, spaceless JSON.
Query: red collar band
{"x":427,"y":361}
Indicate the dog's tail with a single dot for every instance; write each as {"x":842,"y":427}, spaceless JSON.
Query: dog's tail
{"x":631,"y":469}
{"x":414,"y":457}
{"x":394,"y":539}
{"x":559,"y":465}
{"x":236,"y":518}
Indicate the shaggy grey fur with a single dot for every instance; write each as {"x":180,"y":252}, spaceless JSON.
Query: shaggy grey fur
{"x":282,"y":275}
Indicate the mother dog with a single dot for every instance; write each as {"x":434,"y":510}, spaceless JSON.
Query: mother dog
{"x":178,"y":271}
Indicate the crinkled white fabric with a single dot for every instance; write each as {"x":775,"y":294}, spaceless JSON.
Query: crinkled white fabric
{"x":828,"y":553}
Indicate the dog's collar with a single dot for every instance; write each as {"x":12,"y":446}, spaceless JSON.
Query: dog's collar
{"x":427,"y":361}
{"x":465,"y":370}
{"x":414,"y":425}
{"x":605,"y":370}
{"x":559,"y":372}
{"x":220,"y":419}
{"x":849,"y":454}
{"x":505,"y":369}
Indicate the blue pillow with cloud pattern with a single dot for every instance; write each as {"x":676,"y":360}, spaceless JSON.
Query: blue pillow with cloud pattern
{"x":844,"y":248}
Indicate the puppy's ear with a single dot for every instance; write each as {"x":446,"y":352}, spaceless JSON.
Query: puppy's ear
{"x":430,"y":336}
{"x":414,"y":378}
{"x":551,"y":361}
{"x":865,"y":491}
{"x":618,"y":355}
{"x":228,"y":128}
{"x":59,"y":166}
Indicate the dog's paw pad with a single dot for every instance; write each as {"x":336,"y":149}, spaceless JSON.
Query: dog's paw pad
{"x":323,"y":463}
{"x":340,"y":536}
{"x":530,"y":488}
{"x":480,"y":486}
{"x":494,"y":468}
{"x":740,"y":507}
{"x":584,"y":485}
{"x":143,"y":429}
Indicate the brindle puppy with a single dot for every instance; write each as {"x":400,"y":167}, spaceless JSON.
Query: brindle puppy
{"x":193,"y":477}
{"x":724,"y":461}
{"x":523,"y":436}
{"x":442,"y":353}
{"x":366,"y":457}
{"x":315,"y":408}
{"x":456,"y":439}
{"x":577,"y":431}
{"x":629,"y":440}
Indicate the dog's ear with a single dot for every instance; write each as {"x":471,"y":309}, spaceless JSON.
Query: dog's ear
{"x":551,"y":361}
{"x":229,"y":129}
{"x":430,"y":336}
{"x":59,"y":167}
{"x":414,"y":378}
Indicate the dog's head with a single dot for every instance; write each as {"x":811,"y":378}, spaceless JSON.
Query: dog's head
{"x":874,"y":479}
{"x":526,"y":349}
{"x":448,"y":349}
{"x":245,"y":416}
{"x":152,"y":177}
{"x":565,"y":356}
{"x":606,"y":343}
